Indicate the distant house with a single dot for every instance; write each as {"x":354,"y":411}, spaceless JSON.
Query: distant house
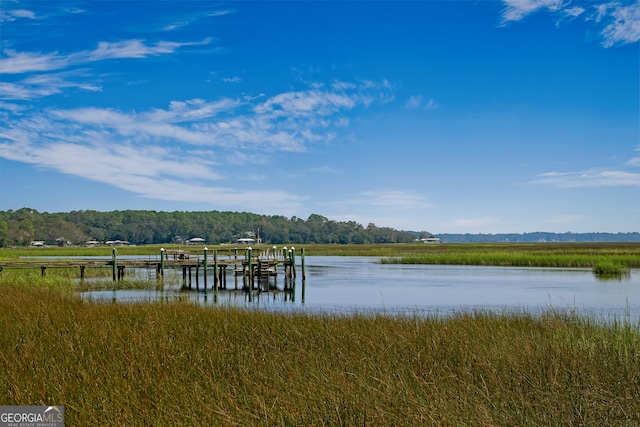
{"x":246,"y":241}
{"x":116,"y":243}
{"x":429,"y":240}
{"x":37,"y":244}
{"x":92,"y":243}
{"x":196,"y":241}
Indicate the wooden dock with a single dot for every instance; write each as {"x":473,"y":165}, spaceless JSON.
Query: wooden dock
{"x":262,"y":265}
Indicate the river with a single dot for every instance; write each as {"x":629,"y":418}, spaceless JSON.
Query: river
{"x":362,"y":284}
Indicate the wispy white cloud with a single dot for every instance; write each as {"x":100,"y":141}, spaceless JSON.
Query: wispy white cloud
{"x":145,"y":126}
{"x":188,"y":20}
{"x":305,"y":103}
{"x":413,"y":102}
{"x":150,"y":172}
{"x":231,"y":79}
{"x":101,"y":161}
{"x":45,"y":11}
{"x":622,"y":23}
{"x":589,"y":178}
{"x":417,"y":101}
{"x":20,"y":62}
{"x":126,"y":49}
{"x":594,"y":177}
{"x":430,"y":105}
{"x":574,"y":11}
{"x":42,"y":85}
{"x":9,"y":106}
{"x":220,"y":12}
{"x":515,"y":10}
{"x":635,"y":161}
{"x":14,"y":62}
{"x":618,"y":21}
{"x":176,"y":25}
{"x":187,"y":142}
{"x":10,"y":15}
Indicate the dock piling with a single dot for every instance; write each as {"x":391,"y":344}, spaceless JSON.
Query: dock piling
{"x":215,"y":275}
{"x":293,"y":261}
{"x":250,"y":262}
{"x":162,"y":252}
{"x":113,"y":264}
{"x":205,"y":269}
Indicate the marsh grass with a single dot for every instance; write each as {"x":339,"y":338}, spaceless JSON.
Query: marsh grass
{"x":609,"y":268}
{"x":585,"y":255}
{"x":578,"y":255}
{"x":180,"y":364}
{"x":67,"y":279}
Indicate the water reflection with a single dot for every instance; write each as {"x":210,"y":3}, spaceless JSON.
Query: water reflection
{"x":608,"y":277}
{"x":349,"y":284}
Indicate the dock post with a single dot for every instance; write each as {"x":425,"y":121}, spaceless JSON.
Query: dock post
{"x":189,"y":277}
{"x":292,"y":256}
{"x":293,"y":261}
{"x":114,"y":266}
{"x":215,"y":275}
{"x":82,"y":273}
{"x":250,"y":262}
{"x":184,"y":277}
{"x":205,"y":269}
{"x":304,"y":276}
{"x":162,"y":251}
{"x":285,"y":258}
{"x":223,"y":276}
{"x":290,"y":262}
{"x":43,"y":271}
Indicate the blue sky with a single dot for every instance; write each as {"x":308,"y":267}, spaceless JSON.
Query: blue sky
{"x":444,"y":116}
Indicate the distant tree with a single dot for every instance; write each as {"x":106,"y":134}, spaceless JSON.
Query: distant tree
{"x":4,"y":233}
{"x":27,"y":231}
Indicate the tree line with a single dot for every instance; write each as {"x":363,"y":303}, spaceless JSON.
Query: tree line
{"x":23,"y":226}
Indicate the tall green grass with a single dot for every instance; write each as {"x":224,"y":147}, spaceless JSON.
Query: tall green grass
{"x":502,"y":254}
{"x":609,"y":268}
{"x":180,"y":364}
{"x":68,"y":279}
{"x":525,"y":255}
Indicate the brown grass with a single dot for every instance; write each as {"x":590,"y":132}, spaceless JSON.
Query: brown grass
{"x":181,"y":364}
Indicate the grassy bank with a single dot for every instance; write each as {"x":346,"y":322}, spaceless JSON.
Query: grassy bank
{"x":180,"y":364}
{"x":609,"y":268}
{"x":501,"y":254}
{"x":526,"y":255}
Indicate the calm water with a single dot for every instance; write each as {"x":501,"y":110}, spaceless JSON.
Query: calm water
{"x":350,"y":284}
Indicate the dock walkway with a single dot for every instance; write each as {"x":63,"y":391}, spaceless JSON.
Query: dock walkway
{"x":266,"y":263}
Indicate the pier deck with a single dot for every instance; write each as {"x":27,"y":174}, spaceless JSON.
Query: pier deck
{"x":264,"y":265}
